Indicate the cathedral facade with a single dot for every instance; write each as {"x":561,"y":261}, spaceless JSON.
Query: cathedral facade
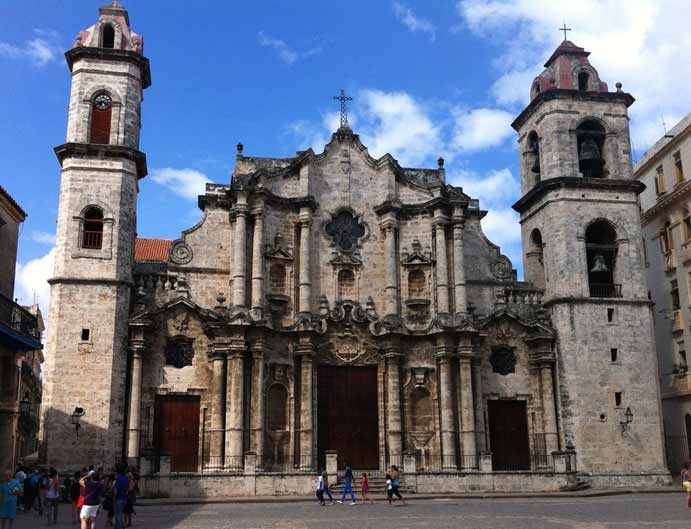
{"x":335,"y":307}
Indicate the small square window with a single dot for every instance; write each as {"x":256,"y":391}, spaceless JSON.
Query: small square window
{"x":614,"y":354}
{"x":86,"y":334}
{"x":617,"y":399}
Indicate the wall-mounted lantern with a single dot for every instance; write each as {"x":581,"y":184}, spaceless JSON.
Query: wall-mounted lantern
{"x":628,"y":419}
{"x":76,"y":419}
{"x":24,"y":405}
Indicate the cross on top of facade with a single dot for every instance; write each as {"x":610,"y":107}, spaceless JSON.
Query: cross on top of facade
{"x":564,"y":29}
{"x":344,"y":112}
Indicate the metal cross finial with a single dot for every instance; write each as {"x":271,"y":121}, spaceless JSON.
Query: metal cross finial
{"x":344,"y":112}
{"x":564,"y":29}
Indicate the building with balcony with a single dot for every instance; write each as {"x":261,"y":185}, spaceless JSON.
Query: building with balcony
{"x":20,"y":333}
{"x":666,"y":219}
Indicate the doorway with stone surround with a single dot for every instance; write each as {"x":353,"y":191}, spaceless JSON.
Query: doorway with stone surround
{"x":508,"y":434}
{"x":348,"y":415}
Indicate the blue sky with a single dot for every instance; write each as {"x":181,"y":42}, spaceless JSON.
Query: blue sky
{"x":428,"y":79}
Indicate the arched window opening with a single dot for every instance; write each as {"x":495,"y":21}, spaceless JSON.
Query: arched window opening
{"x":277,"y":412}
{"x":108,"y":40}
{"x":417,"y":284}
{"x":277,"y":279}
{"x":535,"y":269}
{"x":601,"y":251}
{"x":101,"y":113}
{"x":534,"y":155}
{"x":583,"y":78}
{"x":591,"y":139}
{"x":536,"y":239}
{"x":346,"y":284}
{"x":422,"y":415}
{"x":92,"y":234}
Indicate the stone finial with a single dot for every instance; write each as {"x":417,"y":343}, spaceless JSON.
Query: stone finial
{"x":323,"y":306}
{"x":220,"y":300}
{"x":240,"y":147}
{"x":440,"y":161}
{"x":618,"y":85}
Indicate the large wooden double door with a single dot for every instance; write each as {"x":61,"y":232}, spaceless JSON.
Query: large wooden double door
{"x":508,"y":434}
{"x":348,"y":415}
{"x":176,"y":433}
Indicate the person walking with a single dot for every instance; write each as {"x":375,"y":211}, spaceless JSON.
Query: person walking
{"x":120,"y":491}
{"x":327,"y":490}
{"x":686,"y":483}
{"x":93,"y":490}
{"x":364,"y":489}
{"x":20,"y":476}
{"x":42,"y":487}
{"x":35,"y":481}
{"x":52,"y":497}
{"x":396,"y":484}
{"x":320,"y":489}
{"x":10,"y":490}
{"x":132,"y":491}
{"x":348,"y":485}
{"x":75,"y":493}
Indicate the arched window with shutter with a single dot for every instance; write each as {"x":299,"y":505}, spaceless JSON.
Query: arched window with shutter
{"x":92,"y":234}
{"x":101,"y":114}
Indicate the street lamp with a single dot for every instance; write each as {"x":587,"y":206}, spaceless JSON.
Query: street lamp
{"x":76,"y":419}
{"x":628,"y":419}
{"x":24,"y":405}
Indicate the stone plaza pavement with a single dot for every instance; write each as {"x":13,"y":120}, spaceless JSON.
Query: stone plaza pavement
{"x":624,"y":511}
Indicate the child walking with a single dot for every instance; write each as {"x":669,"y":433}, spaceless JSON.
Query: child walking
{"x":364,"y":487}
{"x":320,"y":490}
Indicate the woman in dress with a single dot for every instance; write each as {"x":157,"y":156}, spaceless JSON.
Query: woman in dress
{"x":8,"y":508}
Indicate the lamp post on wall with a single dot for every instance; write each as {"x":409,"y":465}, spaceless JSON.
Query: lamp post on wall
{"x":628,"y":419}
{"x":24,"y":405}
{"x":76,"y":419}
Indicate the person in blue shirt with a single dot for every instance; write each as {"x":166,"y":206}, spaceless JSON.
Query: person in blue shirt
{"x":10,"y":489}
{"x":348,"y":485}
{"x":121,"y":487}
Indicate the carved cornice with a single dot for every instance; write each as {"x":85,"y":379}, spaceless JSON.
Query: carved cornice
{"x":111,"y":54}
{"x":97,"y":150}
{"x":666,"y":200}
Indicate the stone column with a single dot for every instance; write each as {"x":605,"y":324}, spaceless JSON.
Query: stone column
{"x":305,"y":283}
{"x":134,"y":423}
{"x":390,"y":269}
{"x":258,"y":264}
{"x":257,"y":413}
{"x":305,"y":351}
{"x":446,"y":404}
{"x":480,"y":443}
{"x":442,"y":264}
{"x":549,"y":416}
{"x":235,"y":402}
{"x":467,"y":405}
{"x":393,"y":400}
{"x":461,"y":302}
{"x":240,"y":251}
{"x":218,"y":402}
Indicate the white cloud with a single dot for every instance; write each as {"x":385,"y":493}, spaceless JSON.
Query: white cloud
{"x":496,"y":189}
{"x":481,"y":128}
{"x":285,"y":53}
{"x":43,"y":237}
{"x":40,"y":51}
{"x":31,"y":281}
{"x":188,"y":183}
{"x":629,"y":41}
{"x":407,"y":17}
{"x":394,"y":122}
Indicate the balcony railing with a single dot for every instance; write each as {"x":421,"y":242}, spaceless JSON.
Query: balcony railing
{"x":92,"y":240}
{"x":605,"y":290}
{"x":18,"y":318}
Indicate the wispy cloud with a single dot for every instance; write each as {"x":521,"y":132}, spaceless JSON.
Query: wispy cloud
{"x":32,"y":281}
{"x":481,"y":128}
{"x":40,"y":51}
{"x":286,"y":53}
{"x":43,"y":237}
{"x":407,"y":17}
{"x":187,"y":183}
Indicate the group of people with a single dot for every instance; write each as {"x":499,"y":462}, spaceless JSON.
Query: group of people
{"x":88,"y":490}
{"x":393,"y":484}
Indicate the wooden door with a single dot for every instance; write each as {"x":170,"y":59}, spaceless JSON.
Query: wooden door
{"x":176,"y":432}
{"x":508,"y":434}
{"x":349,"y":415}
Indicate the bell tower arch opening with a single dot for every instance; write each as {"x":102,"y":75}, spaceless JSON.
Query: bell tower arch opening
{"x":590,"y":137}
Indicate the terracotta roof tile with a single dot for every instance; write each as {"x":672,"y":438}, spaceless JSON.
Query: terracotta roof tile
{"x":151,"y":249}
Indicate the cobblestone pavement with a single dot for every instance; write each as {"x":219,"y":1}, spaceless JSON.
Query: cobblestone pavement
{"x":629,"y":511}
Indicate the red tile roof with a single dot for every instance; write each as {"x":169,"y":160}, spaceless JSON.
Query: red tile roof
{"x":151,"y":249}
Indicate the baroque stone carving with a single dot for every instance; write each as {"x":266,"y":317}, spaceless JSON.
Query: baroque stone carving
{"x":180,"y":253}
{"x":503,"y":361}
{"x":179,"y":352}
{"x":501,"y":268}
{"x":345,"y":230}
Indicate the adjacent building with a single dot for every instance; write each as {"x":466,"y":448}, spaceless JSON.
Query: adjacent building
{"x":332,"y":306}
{"x":20,"y":333}
{"x":666,"y":219}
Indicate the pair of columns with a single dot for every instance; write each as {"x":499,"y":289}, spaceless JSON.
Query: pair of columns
{"x":466,"y":437}
{"x":440,"y":223}
{"x":239,"y":298}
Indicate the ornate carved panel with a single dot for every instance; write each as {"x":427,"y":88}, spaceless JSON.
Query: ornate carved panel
{"x":179,"y":352}
{"x":503,"y":361}
{"x":345,"y":230}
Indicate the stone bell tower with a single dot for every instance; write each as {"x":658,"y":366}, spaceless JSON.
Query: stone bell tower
{"x":582,"y":243}
{"x":86,"y":355}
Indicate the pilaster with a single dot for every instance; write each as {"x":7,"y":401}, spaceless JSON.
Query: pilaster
{"x":460,"y":299}
{"x":439,"y":224}
{"x":305,"y":282}
{"x":257,"y":309}
{"x":235,"y":407}
{"x":444,"y":356}
{"x":466,"y":355}
{"x":240,"y":251}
